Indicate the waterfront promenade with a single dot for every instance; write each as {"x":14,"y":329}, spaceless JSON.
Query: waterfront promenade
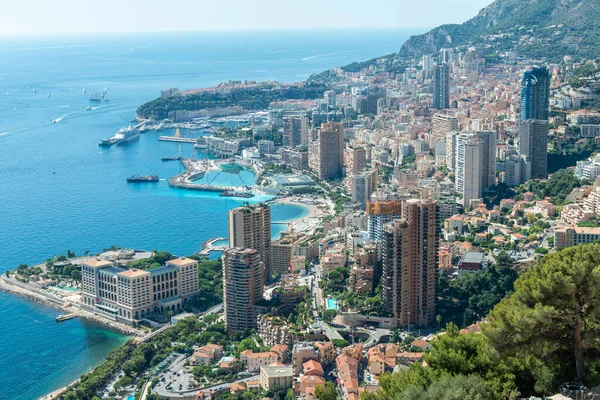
{"x":12,"y":286}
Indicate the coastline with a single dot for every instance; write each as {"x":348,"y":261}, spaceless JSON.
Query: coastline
{"x":318,"y":208}
{"x":11,"y":288}
{"x":55,"y":394}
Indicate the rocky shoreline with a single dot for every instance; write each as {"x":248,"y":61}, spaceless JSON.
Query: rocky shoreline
{"x":6,"y":285}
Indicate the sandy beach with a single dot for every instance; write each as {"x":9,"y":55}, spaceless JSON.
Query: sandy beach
{"x":318,"y":209}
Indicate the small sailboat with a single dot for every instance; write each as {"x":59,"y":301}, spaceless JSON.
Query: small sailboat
{"x":83,"y":90}
{"x":48,"y":94}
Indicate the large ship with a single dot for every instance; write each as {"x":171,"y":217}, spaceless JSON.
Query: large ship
{"x":143,"y":178}
{"x":125,"y":135}
{"x":99,"y":96}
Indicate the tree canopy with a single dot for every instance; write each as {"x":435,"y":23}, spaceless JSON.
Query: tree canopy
{"x":554,"y":313}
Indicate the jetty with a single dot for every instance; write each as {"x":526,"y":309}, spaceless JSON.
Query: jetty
{"x":64,"y":317}
{"x":209,"y":246}
{"x":177,"y":138}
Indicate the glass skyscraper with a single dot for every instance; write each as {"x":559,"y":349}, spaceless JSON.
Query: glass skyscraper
{"x":535,"y":94}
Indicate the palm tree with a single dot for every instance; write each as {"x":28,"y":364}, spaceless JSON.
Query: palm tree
{"x":438,"y":318}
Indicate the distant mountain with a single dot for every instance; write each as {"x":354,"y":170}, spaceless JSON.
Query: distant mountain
{"x":539,"y":29}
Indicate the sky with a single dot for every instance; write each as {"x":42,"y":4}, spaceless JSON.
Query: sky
{"x":43,"y":17}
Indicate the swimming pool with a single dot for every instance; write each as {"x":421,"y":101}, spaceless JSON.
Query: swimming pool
{"x":332,"y":303}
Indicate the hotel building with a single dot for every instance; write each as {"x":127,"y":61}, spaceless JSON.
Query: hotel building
{"x":131,"y":294}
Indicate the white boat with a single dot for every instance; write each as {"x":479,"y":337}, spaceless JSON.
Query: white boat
{"x":82,"y":90}
{"x":125,"y":135}
{"x":48,"y":94}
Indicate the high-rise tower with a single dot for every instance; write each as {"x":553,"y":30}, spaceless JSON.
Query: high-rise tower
{"x":331,"y":151}
{"x":535,"y":94}
{"x":410,"y":258}
{"x":250,"y":228}
{"x":242,"y":287}
{"x":441,"y":87}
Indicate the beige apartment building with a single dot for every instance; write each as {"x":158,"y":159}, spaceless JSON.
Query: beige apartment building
{"x":133,"y":294}
{"x":571,"y":236}
{"x":410,"y":259}
{"x":276,"y":376}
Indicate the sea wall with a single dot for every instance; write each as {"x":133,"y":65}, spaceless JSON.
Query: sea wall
{"x":31,"y":293}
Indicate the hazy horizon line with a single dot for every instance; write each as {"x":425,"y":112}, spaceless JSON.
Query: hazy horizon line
{"x":225,"y":30}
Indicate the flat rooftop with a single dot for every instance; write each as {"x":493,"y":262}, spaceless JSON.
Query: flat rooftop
{"x":161,"y":270}
{"x":277,"y":371}
{"x":111,"y":270}
{"x":473,"y":257}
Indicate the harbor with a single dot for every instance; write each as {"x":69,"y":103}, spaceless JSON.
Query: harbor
{"x":197,"y":169}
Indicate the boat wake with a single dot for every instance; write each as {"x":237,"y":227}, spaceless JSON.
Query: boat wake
{"x":4,"y":134}
{"x":321,"y":55}
{"x":64,"y":106}
{"x":99,"y":107}
{"x":57,"y":120}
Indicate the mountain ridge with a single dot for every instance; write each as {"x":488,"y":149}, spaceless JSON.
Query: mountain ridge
{"x":547,"y":29}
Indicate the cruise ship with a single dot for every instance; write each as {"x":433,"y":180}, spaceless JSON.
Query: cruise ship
{"x":126,"y":135}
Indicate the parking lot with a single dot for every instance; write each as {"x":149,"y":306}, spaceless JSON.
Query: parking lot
{"x":175,"y":379}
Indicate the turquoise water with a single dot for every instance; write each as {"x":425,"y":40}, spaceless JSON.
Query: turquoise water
{"x":59,"y":190}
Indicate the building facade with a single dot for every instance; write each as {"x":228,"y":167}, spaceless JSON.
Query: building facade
{"x":379,"y":213}
{"x":242,"y":287}
{"x":364,"y":184}
{"x":331,"y":151}
{"x":410,"y":259}
{"x":468,"y":168}
{"x":535,"y":94}
{"x":441,"y":87}
{"x":295,"y":131}
{"x":533,"y":144}
{"x":133,"y":294}
{"x":488,"y":158}
{"x":250,"y":228}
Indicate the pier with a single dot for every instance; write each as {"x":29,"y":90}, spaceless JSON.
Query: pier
{"x":209,"y":246}
{"x":65,"y":317}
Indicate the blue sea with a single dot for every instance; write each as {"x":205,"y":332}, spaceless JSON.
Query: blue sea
{"x":59,"y":191}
